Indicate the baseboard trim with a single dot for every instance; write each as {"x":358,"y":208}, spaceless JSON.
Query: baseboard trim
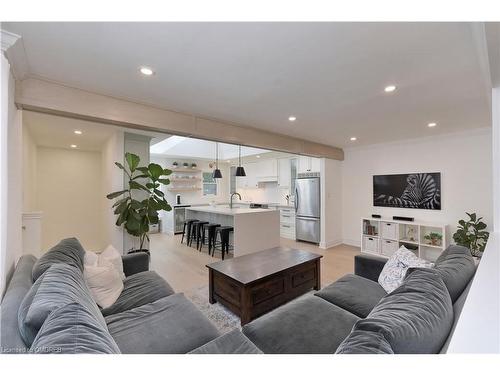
{"x":349,"y":242}
{"x":327,"y":245}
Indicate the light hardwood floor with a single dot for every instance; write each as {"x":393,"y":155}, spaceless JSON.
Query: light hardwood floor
{"x":185,"y":268}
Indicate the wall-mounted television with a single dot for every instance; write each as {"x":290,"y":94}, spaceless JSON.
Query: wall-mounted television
{"x":413,"y":190}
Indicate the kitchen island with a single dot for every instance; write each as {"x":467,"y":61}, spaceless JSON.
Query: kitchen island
{"x":255,"y":229}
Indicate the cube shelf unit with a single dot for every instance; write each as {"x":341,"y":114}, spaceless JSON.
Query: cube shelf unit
{"x":185,"y":179}
{"x":384,"y":237}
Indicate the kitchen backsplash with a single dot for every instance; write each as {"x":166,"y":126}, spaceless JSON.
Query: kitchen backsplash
{"x":266,"y":193}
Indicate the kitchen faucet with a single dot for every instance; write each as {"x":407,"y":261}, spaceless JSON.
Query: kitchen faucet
{"x":231,"y":201}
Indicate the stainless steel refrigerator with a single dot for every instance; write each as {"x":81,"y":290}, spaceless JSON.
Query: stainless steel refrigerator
{"x":307,"y":209}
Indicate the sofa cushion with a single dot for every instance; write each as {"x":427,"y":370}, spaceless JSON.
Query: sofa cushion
{"x":60,"y":285}
{"x":414,"y":318}
{"x":364,"y":342}
{"x":456,"y":267}
{"x":354,"y":294}
{"x":73,"y":329}
{"x":308,"y":324}
{"x":19,"y":285}
{"x":171,"y":325}
{"x":68,"y":251}
{"x":140,"y":289}
{"x":233,"y":342}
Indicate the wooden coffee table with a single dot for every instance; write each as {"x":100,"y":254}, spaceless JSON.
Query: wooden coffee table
{"x":253,"y":284}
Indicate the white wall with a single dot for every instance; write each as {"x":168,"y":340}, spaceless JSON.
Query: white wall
{"x":29,"y":172}
{"x":464,"y":160}
{"x":70,"y":196}
{"x":112,"y":180}
{"x":331,"y":203}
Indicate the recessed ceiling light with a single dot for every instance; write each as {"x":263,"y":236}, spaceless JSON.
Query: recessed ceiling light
{"x":431,"y":124}
{"x":79,"y":132}
{"x":146,"y":71}
{"x":353,"y":139}
{"x":258,"y":156}
{"x":292,"y":118}
{"x":390,"y":88}
{"x":73,"y":146}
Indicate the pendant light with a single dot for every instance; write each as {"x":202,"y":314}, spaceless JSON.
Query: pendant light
{"x":240,"y":171}
{"x":217,"y":173}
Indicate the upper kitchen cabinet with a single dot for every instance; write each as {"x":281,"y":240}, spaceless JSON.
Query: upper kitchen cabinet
{"x":267,"y":170}
{"x":308,"y":164}
{"x":250,"y":180}
{"x":284,"y":173}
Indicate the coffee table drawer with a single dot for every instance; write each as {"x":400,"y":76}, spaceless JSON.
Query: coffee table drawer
{"x":267,"y":290}
{"x":304,"y":276}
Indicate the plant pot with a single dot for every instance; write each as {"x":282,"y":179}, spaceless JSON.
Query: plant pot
{"x":139,"y":251}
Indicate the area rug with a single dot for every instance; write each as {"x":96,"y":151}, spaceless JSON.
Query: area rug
{"x":219,"y":315}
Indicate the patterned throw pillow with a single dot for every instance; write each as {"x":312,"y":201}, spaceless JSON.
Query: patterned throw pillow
{"x":394,"y":271}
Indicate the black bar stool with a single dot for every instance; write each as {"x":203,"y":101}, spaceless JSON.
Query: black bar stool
{"x":210,"y":230}
{"x":187,"y":229}
{"x":223,"y":233}
{"x":195,"y":232}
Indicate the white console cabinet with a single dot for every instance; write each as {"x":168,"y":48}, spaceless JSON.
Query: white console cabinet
{"x":384,"y":237}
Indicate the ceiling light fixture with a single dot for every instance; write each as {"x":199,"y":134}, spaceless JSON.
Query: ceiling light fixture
{"x":73,"y":146}
{"x":217,"y":173}
{"x":431,"y":124}
{"x":146,"y":71}
{"x":258,"y":156}
{"x":240,"y":171}
{"x":292,"y":118}
{"x":354,"y":139}
{"x":78,"y":132}
{"x":390,"y":88}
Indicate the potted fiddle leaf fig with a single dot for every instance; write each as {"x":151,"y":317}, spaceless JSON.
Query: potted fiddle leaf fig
{"x":138,"y":206}
{"x":471,"y":234}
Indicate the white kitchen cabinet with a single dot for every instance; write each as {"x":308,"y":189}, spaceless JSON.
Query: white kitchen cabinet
{"x":284,"y":173}
{"x":287,"y":223}
{"x":267,"y":170}
{"x":308,"y":164}
{"x":251,"y":179}
{"x":315,"y":164}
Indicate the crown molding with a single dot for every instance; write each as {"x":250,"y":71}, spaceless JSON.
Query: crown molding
{"x":13,"y":49}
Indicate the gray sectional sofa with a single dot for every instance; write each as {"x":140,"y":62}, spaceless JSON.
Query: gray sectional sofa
{"x":356,"y":315}
{"x":48,"y":308}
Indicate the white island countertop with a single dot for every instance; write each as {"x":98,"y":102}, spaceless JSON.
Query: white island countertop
{"x":225,"y":210}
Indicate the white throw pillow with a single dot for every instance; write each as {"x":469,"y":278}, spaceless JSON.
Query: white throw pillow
{"x":111,"y":256}
{"x":394,"y":270}
{"x":90,"y":258}
{"x":105,"y":284}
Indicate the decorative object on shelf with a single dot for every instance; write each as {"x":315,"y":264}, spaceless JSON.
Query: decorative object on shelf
{"x":375,"y":216}
{"x":217,"y":173}
{"x":240,"y":171}
{"x":434,"y":238}
{"x":193,"y":165}
{"x":175,"y":164}
{"x":472,"y":235}
{"x":185,"y":165}
{"x":418,"y":190}
{"x":136,"y":216}
{"x":410,"y":233}
{"x":402,"y":218}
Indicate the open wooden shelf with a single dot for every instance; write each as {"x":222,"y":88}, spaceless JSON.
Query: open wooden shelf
{"x":183,"y":189}
{"x":184,"y":179}
{"x":185,"y":170}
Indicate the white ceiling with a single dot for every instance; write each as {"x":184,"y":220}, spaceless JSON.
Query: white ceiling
{"x":176,"y":146}
{"x":55,"y":131}
{"x":330,"y":76}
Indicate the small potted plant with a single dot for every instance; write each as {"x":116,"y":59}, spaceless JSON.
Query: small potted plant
{"x":193,"y":165}
{"x":434,"y":238}
{"x":185,"y":165}
{"x":175,"y":164}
